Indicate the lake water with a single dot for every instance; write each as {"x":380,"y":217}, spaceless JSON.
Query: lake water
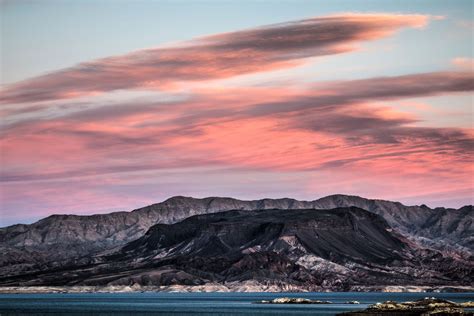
{"x":177,"y":304}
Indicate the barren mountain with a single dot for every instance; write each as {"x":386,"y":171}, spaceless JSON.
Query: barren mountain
{"x":306,"y":249}
{"x":63,"y":239}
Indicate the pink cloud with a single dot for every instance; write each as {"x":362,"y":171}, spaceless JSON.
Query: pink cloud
{"x":305,"y":142}
{"x":280,"y":129}
{"x":213,"y":57}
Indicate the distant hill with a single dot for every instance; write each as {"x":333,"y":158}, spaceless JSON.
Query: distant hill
{"x":305,"y":249}
{"x":68,"y":240}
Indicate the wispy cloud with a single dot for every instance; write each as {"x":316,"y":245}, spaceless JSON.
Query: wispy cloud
{"x":213,"y":57}
{"x":154,"y":135}
{"x":344,"y":136}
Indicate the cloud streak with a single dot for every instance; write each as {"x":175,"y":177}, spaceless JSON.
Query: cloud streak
{"x":111,"y":147}
{"x":152,"y":136}
{"x":381,"y":88}
{"x":213,"y":57}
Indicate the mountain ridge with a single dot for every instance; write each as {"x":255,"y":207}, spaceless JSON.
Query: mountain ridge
{"x":160,"y":212}
{"x":178,"y":197}
{"x":59,"y":238}
{"x":332,"y":249}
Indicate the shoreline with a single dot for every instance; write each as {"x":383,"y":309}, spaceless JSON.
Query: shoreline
{"x":225,"y":288}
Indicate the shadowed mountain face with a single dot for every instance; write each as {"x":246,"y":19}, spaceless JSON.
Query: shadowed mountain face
{"x":62,"y":239}
{"x":325,"y":249}
{"x":450,"y":225}
{"x":338,"y":233}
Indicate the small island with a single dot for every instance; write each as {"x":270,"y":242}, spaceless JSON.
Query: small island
{"x":426,"y":306}
{"x":293,"y":300}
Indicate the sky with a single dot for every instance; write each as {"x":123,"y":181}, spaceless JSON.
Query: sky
{"x":114,"y":105}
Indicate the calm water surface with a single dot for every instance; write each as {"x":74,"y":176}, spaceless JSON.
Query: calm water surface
{"x":176,"y":304}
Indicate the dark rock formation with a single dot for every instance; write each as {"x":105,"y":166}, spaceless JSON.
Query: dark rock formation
{"x":105,"y":230}
{"x":84,"y":234}
{"x":310,"y":249}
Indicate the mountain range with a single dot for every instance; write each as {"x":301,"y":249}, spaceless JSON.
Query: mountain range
{"x":333,"y":243}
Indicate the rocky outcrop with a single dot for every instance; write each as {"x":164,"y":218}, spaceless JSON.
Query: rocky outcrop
{"x":303,"y":249}
{"x":423,"y":307}
{"x":293,"y":300}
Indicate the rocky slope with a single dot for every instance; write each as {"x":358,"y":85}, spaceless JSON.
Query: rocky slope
{"x":62,"y":238}
{"x":454,"y":226}
{"x":300,"y":249}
